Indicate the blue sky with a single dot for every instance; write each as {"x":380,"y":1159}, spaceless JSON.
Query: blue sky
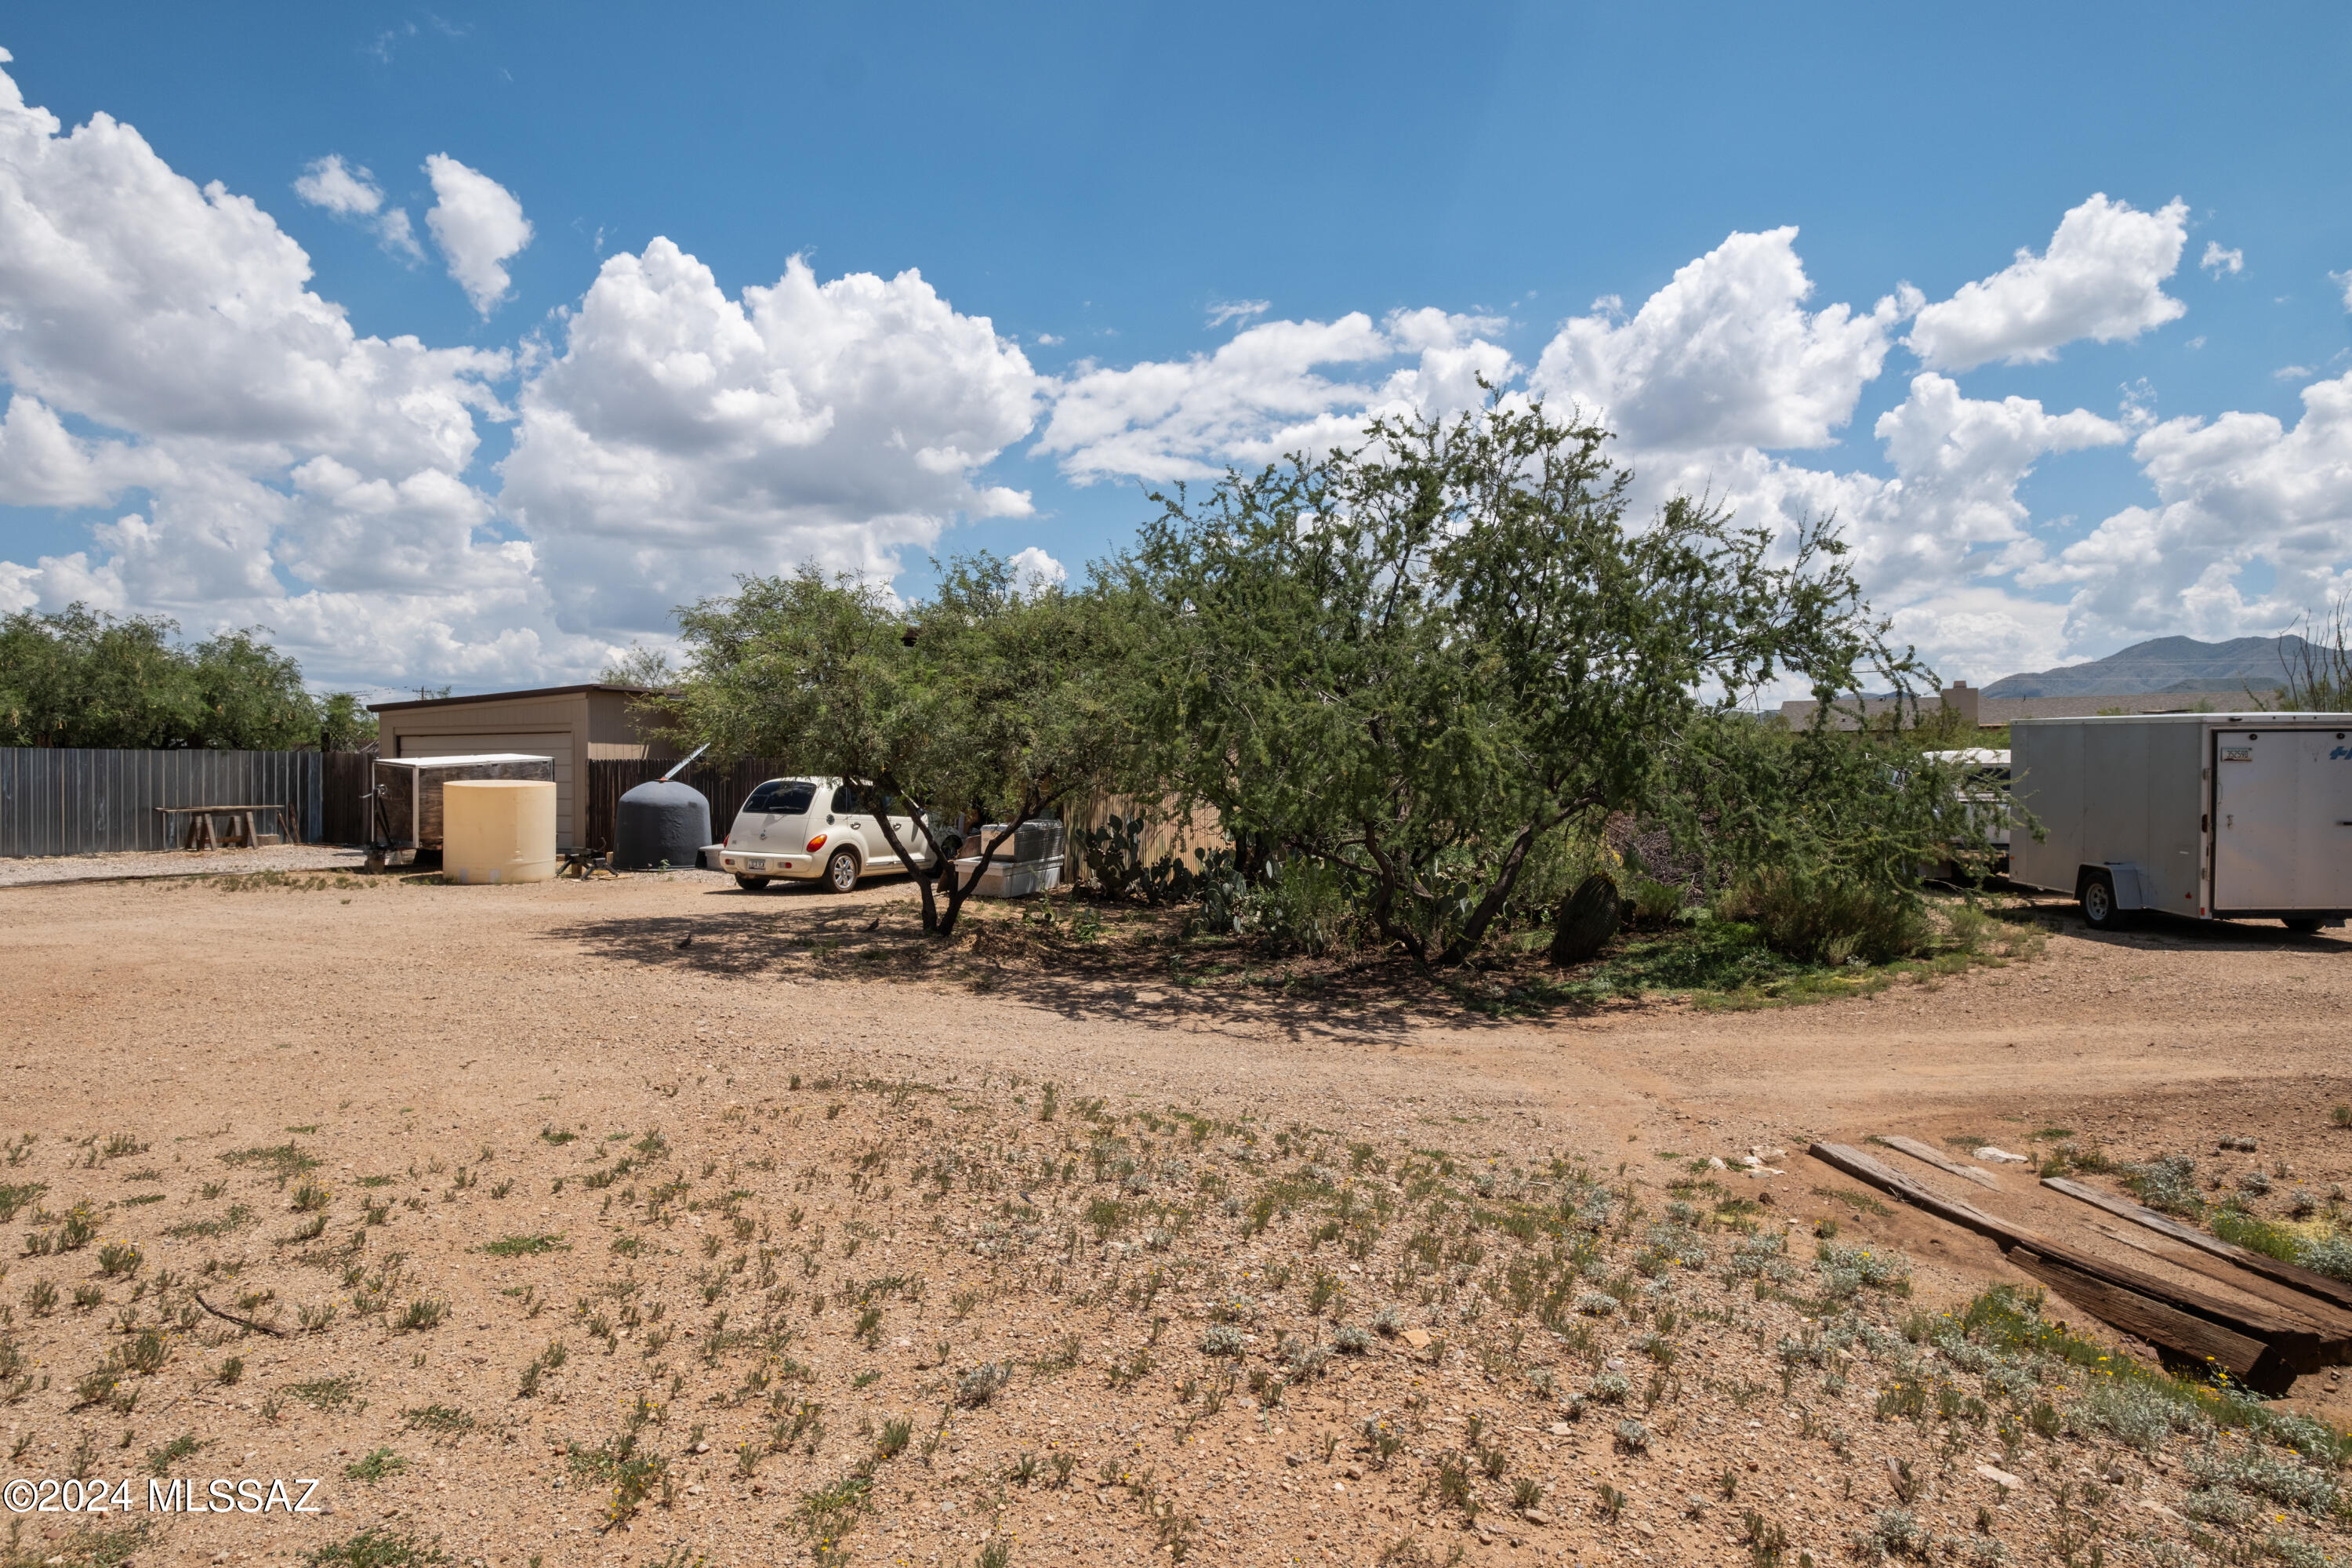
{"x":1123,"y":190}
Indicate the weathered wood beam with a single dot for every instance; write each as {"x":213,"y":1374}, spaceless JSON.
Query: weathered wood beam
{"x":2303,"y":1343}
{"x":2335,"y":1292}
{"x":2253,"y":1363}
{"x":1928,"y":1154}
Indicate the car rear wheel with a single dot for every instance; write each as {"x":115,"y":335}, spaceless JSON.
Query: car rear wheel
{"x":2099,"y":910}
{"x":841,"y":871}
{"x":751,"y":884}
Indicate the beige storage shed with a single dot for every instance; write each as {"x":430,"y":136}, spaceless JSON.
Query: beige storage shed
{"x":570,"y":725}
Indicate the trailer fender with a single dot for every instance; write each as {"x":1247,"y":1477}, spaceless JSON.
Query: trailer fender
{"x":2130,"y":884}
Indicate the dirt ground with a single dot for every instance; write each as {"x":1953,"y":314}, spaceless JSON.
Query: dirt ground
{"x":837,"y":1275}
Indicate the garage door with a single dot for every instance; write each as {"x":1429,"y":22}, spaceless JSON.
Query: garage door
{"x":556,"y":746}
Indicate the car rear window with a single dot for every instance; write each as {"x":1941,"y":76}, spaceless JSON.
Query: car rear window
{"x":785,"y":797}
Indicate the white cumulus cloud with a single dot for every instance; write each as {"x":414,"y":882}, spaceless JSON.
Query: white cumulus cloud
{"x":346,"y":191}
{"x":2232,"y":494}
{"x":478,"y":224}
{"x":1266,"y":393}
{"x":1033,"y":568}
{"x":2217,"y":260}
{"x":2101,"y":279}
{"x":1723,"y":355}
{"x":353,"y":193}
{"x":681,"y":435}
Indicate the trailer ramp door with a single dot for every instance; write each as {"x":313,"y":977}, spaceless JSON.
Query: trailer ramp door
{"x":2282,"y":820}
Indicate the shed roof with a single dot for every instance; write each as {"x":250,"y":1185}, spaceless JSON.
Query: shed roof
{"x":509,"y":696}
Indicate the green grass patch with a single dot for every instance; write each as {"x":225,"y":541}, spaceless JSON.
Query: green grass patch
{"x":285,"y":1161}
{"x":92,"y":1546}
{"x":1854,"y":1198}
{"x":18,"y":1195}
{"x":2009,"y":1318}
{"x":328,"y":1394}
{"x":2314,"y":1244}
{"x":829,"y":1512}
{"x":238,"y":1218}
{"x":1719,"y":964}
{"x":161,"y":1460}
{"x":378,"y":1549}
{"x":440,"y":1420}
{"x":378,"y":1464}
{"x":375,"y":1180}
{"x":526,"y":1246}
{"x":141,"y":1198}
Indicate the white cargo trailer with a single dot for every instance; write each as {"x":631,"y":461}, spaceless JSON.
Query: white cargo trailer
{"x":2207,"y":815}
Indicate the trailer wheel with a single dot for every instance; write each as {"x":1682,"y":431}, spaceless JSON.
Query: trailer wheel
{"x":2099,"y":896}
{"x":751,"y":884}
{"x":2303,"y":925}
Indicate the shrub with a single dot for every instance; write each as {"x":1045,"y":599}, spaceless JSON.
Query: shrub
{"x":978,"y":1385}
{"x":1829,"y":917}
{"x":1223,"y":1339}
{"x":2168,"y":1182}
{"x":2134,"y":1414}
{"x":1303,"y":906}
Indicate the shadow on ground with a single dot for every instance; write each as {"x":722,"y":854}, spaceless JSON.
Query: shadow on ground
{"x":2156,"y":929}
{"x":1132,"y":971}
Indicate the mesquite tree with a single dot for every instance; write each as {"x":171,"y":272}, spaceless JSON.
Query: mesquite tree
{"x":989,"y":696}
{"x":1411,"y":660}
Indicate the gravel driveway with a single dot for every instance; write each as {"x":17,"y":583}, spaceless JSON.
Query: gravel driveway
{"x":23,"y":871}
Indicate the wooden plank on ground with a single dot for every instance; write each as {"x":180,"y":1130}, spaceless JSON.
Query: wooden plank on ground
{"x":1928,"y":1154}
{"x":2333,"y":1291}
{"x":1886,"y":1178}
{"x":2256,"y":1364}
{"x":2302,"y":1341}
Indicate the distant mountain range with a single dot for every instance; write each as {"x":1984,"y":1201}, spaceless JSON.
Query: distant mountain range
{"x":2166,"y":665}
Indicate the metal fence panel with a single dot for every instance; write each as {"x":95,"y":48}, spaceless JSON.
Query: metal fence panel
{"x":60,"y":801}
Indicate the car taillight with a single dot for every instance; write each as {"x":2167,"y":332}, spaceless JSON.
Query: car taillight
{"x":817,"y":844}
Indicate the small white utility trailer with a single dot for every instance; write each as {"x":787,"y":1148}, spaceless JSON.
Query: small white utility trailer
{"x":2207,"y":815}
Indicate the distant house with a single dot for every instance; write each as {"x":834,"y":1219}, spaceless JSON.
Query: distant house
{"x":574,"y":725}
{"x":1958,"y":696}
{"x":1985,"y":711}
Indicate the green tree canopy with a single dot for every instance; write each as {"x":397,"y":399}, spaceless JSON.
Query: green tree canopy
{"x":992,"y":700}
{"x":83,"y":678}
{"x":1412,"y":661}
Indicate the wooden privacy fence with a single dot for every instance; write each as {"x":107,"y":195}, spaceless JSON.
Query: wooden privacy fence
{"x":344,"y":813}
{"x":723,"y":784}
{"x":72,"y":801}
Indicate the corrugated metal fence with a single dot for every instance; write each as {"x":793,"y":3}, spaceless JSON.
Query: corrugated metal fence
{"x":74,"y":802}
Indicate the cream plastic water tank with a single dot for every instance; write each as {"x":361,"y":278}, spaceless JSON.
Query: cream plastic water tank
{"x":498,"y":830}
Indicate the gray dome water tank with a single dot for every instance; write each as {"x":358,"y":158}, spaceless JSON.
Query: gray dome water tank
{"x":659,"y":822}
